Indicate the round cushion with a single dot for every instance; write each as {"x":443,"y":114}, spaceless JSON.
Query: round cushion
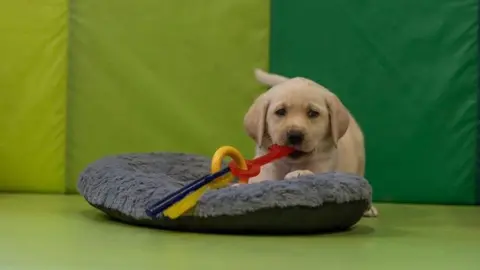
{"x":123,"y":186}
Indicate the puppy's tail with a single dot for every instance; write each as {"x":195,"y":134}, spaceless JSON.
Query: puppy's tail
{"x":269,"y":79}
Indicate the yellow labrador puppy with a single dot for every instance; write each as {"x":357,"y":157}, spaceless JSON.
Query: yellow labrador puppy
{"x":305,"y":115}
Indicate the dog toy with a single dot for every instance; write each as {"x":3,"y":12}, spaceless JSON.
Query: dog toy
{"x":182,"y":200}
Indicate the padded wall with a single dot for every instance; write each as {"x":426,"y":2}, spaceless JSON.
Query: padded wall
{"x":408,"y":71}
{"x":32,"y":95}
{"x":161,"y":76}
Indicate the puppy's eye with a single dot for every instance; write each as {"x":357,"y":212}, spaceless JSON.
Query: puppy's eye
{"x":313,"y":114}
{"x":281,"y":112}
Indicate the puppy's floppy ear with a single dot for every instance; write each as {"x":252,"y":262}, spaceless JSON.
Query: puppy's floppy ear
{"x":255,"y":118}
{"x":339,"y":117}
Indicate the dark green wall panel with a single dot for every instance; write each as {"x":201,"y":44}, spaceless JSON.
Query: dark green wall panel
{"x":408,"y":71}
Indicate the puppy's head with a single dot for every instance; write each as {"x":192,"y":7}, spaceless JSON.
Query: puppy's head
{"x":297,"y":113}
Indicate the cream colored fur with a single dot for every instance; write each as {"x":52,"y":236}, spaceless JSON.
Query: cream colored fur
{"x":333,"y":139}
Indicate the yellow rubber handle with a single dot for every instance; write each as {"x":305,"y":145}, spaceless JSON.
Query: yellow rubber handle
{"x":216,"y":165}
{"x":191,"y":200}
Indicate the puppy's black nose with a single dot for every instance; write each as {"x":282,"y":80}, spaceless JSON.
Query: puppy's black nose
{"x":295,"y":137}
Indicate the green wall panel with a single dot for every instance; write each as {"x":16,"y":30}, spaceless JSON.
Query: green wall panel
{"x":408,"y":71}
{"x":161,"y":76}
{"x":32,"y":95}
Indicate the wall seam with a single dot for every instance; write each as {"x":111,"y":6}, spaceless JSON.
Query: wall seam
{"x":68,"y":170}
{"x":477,"y":160}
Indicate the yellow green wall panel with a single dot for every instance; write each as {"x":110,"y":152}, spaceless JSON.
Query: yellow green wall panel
{"x":161,"y":76}
{"x":32,"y":95}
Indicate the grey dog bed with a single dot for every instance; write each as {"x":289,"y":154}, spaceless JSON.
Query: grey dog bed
{"x":123,"y":186}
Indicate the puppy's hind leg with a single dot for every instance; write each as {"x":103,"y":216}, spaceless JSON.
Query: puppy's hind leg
{"x":371,"y":212}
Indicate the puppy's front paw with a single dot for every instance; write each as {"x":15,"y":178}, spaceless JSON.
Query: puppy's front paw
{"x":297,"y":173}
{"x":371,"y":212}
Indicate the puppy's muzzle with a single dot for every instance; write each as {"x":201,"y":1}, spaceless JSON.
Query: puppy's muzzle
{"x":295,"y":137}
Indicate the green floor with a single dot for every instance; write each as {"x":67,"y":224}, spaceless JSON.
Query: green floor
{"x":64,"y":232}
